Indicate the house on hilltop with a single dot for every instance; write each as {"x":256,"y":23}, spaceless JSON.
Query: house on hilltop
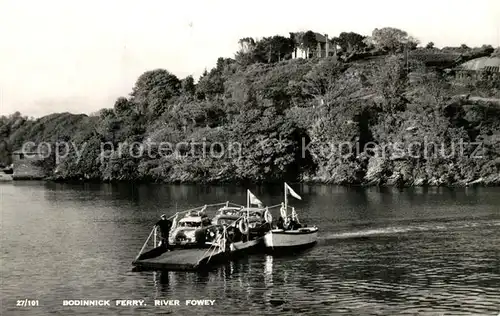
{"x":324,"y":47}
{"x":475,"y":68}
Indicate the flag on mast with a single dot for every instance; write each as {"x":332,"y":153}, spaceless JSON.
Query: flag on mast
{"x":292,"y":192}
{"x":253,"y":199}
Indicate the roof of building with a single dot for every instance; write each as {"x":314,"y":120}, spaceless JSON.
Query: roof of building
{"x":482,"y":63}
{"x":320,"y":37}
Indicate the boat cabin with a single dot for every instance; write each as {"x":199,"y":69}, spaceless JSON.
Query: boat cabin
{"x":256,"y":215}
{"x":253,"y":211}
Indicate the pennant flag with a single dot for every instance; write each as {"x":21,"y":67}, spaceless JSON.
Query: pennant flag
{"x":292,"y":192}
{"x":253,"y":199}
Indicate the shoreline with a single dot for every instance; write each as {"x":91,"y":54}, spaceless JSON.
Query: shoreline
{"x":476,"y":183}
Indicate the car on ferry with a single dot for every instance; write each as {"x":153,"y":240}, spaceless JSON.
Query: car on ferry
{"x":226,"y":215}
{"x":186,"y":228}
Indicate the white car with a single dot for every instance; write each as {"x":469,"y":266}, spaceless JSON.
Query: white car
{"x":185,"y":230}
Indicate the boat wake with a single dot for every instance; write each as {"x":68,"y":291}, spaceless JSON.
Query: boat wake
{"x":394,"y":230}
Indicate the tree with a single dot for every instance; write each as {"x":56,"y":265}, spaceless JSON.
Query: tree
{"x":5,"y":153}
{"x":412,"y":43}
{"x":392,"y":39}
{"x":154,"y":87}
{"x":268,"y":50}
{"x":222,"y":63}
{"x":429,"y":45}
{"x":309,"y":42}
{"x":275,"y":48}
{"x":122,"y":107}
{"x":324,"y":78}
{"x":488,"y":49}
{"x":297,"y":39}
{"x":188,"y":86}
{"x":350,"y":42}
{"x":247,"y":44}
{"x":109,"y":125}
{"x":211,"y":83}
{"x":246,"y":54}
{"x":390,"y":81}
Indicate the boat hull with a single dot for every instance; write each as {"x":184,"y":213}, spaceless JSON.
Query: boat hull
{"x":279,"y":239}
{"x":246,"y":246}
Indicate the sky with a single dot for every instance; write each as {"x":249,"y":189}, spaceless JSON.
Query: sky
{"x":79,"y":56}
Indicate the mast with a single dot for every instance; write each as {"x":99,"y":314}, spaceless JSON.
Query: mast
{"x":248,"y":214}
{"x":248,"y":199}
{"x":286,"y":201}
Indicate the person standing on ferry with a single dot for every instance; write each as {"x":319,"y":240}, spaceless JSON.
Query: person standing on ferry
{"x":164,"y":224}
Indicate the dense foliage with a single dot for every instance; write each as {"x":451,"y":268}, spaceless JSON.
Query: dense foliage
{"x":264,"y":117}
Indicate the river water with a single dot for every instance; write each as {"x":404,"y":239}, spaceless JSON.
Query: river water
{"x":418,"y":251}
